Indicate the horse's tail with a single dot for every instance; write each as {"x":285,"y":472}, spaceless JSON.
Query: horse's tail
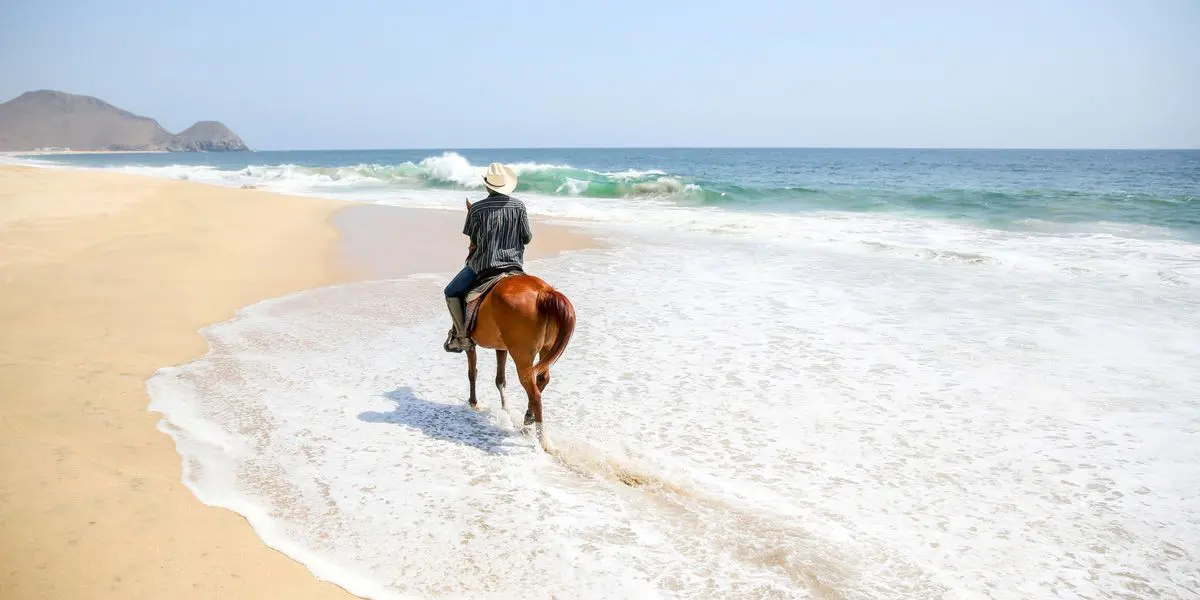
{"x":551,"y":303}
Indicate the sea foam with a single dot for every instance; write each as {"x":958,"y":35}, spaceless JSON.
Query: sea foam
{"x":767,"y":419}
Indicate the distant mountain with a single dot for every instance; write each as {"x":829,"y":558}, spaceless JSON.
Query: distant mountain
{"x":50,"y":119}
{"x":206,"y":136}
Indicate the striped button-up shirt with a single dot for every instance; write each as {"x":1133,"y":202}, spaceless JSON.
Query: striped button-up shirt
{"x":499,"y":229}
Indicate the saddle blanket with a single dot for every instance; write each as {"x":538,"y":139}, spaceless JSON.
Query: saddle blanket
{"x":475,"y":296}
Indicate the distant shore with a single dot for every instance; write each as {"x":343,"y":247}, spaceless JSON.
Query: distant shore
{"x":106,"y":278}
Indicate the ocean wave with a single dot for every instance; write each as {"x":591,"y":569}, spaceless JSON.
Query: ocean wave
{"x":452,"y":171}
{"x":852,"y":220}
{"x":1028,"y":209}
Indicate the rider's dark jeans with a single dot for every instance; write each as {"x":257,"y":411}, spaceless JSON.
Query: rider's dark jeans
{"x":461,"y":284}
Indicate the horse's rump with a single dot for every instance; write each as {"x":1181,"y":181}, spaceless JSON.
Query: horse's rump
{"x":521,"y":316}
{"x":545,"y":314}
{"x":553,"y":305}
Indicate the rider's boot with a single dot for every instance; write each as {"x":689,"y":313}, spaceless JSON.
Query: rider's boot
{"x":457,"y":339}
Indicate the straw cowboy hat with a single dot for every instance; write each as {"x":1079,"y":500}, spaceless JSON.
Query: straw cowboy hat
{"x":500,"y":178}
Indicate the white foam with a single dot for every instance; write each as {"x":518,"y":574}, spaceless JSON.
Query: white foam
{"x":632,"y":173}
{"x":808,"y":421}
{"x":573,"y":187}
{"x":453,"y":167}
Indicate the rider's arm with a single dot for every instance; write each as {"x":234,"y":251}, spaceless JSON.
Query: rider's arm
{"x":526,"y":234}
{"x":467,"y":231}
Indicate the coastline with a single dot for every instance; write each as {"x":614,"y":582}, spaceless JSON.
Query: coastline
{"x":108,"y":277}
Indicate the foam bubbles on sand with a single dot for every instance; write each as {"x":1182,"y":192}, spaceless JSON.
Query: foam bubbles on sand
{"x":756,"y":421}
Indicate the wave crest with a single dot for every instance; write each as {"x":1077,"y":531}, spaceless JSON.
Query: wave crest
{"x":453,"y":171}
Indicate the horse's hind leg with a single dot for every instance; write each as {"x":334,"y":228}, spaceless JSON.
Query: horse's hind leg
{"x":501,"y":363}
{"x":533,"y":414}
{"x":525,"y":374}
{"x":543,"y":380}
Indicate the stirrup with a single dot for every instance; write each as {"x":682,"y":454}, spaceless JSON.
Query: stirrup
{"x":456,"y":344}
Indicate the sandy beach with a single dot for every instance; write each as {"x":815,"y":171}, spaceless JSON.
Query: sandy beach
{"x":107,"y":277}
{"x":68,"y":152}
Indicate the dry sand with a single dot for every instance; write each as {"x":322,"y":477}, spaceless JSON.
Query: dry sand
{"x":45,"y":152}
{"x":106,"y":277}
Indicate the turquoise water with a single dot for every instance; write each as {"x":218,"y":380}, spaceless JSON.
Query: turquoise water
{"x":997,"y":188}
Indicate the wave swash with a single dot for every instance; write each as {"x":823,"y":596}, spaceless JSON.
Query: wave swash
{"x":842,"y":420}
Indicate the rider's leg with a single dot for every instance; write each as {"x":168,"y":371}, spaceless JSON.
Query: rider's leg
{"x":456,"y":292}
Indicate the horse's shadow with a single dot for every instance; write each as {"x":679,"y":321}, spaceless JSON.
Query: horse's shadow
{"x":456,"y":423}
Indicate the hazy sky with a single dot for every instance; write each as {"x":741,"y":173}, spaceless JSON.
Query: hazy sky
{"x":351,"y":74}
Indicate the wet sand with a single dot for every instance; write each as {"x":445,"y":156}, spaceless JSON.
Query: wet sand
{"x":382,"y":242}
{"x":105,"y":278}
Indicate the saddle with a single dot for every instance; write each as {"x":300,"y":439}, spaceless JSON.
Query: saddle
{"x":482,"y":286}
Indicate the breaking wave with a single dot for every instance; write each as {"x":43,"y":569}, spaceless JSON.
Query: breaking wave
{"x":452,"y":171}
{"x":1004,"y":205}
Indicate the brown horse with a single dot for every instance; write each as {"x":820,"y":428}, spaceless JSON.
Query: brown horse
{"x":527,"y":318}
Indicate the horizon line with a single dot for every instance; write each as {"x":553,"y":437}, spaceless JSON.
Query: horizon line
{"x":956,"y":148}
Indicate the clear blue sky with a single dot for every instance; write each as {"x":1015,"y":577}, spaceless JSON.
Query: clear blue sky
{"x":352,"y":74}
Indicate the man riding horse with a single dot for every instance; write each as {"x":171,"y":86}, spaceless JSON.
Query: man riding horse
{"x":498,"y":227}
{"x":521,"y":316}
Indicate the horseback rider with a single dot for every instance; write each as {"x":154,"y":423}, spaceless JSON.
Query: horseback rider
{"x":498,"y":227}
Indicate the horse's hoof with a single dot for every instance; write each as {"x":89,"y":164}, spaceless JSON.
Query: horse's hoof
{"x":547,"y":447}
{"x":528,"y":418}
